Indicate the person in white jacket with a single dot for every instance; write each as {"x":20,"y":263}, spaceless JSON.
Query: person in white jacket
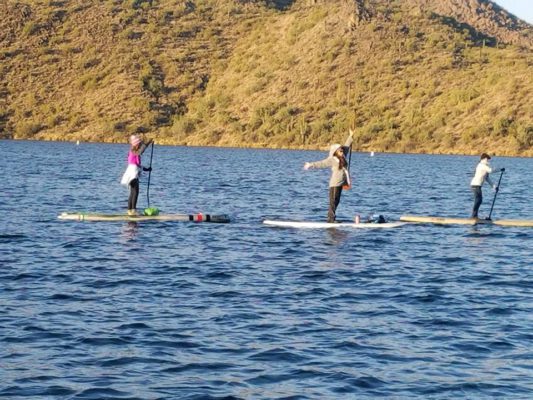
{"x":481,"y":176}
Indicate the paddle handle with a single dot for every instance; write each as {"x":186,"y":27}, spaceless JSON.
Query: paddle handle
{"x":495,"y":194}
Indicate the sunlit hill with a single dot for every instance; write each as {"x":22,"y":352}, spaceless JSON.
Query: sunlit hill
{"x":433,"y":76}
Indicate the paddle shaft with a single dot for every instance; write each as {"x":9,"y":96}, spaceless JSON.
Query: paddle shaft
{"x":349,"y":182}
{"x":149,"y":175}
{"x":350,"y":157}
{"x":497,"y":190}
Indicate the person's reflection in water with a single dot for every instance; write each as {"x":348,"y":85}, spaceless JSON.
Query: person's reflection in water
{"x":129,"y":230}
{"x":334,"y":239}
{"x":337,"y":236}
{"x":478,"y":234}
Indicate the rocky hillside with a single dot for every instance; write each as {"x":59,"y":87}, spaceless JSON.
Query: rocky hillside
{"x":482,"y":15}
{"x":447,"y":76}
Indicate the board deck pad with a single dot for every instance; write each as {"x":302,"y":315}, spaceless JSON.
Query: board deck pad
{"x":514,"y":222}
{"x":318,"y":225}
{"x":440,"y":220}
{"x":465,"y":221}
{"x":76,"y":216}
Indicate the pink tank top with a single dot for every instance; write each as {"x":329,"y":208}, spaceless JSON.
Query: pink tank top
{"x":134,"y":159}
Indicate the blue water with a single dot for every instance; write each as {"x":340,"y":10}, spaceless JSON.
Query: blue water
{"x":245,"y":311}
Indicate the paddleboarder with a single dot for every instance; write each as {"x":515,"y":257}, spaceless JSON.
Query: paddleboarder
{"x":340,"y":176}
{"x":133,"y":170}
{"x":481,"y":176}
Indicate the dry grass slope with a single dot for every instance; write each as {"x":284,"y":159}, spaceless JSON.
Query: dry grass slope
{"x":429,"y":76}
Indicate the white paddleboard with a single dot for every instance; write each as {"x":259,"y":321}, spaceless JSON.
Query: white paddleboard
{"x":322,"y":225}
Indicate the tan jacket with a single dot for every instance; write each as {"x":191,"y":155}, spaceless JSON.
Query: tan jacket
{"x":338,"y":176}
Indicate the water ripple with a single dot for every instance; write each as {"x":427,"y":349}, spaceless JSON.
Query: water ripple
{"x":243,"y":311}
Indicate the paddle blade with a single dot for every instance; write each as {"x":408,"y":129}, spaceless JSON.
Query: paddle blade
{"x":151,"y":211}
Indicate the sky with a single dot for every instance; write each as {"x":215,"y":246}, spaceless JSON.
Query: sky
{"x":523,"y":9}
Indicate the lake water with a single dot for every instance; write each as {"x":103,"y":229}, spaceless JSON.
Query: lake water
{"x":245,"y":311}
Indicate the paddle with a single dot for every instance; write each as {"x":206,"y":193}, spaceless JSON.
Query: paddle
{"x":349,"y":186}
{"x":149,"y":175}
{"x":495,"y":193}
{"x":150,"y":210}
{"x":350,"y":157}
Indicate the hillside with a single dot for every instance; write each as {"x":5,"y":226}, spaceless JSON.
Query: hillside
{"x":438,"y":76}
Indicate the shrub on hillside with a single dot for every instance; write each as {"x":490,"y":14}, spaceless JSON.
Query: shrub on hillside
{"x":135,"y":4}
{"x":53,"y":120}
{"x":182,"y":126}
{"x":524,"y":136}
{"x":27,"y":129}
{"x":30,"y":28}
{"x":502,"y":126}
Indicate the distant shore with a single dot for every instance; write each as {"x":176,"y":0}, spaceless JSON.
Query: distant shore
{"x":258,"y":146}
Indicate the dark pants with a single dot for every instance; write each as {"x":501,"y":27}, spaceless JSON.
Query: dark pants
{"x":334,"y":199}
{"x":478,"y":199}
{"x":134,"y":194}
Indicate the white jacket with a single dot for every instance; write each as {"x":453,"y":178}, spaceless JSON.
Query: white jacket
{"x":483,"y":170}
{"x":131,"y":173}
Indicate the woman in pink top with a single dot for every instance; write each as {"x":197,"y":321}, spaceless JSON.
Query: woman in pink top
{"x":131,"y":176}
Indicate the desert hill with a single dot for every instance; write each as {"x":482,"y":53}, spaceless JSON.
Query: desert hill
{"x":447,"y":76}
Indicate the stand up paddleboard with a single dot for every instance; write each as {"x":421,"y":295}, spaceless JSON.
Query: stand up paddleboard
{"x":138,"y":218}
{"x":465,"y":221}
{"x":327,"y":225}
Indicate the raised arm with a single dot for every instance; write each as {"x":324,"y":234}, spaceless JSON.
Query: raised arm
{"x":144,"y":146}
{"x":349,"y":139}
{"x":346,"y":148}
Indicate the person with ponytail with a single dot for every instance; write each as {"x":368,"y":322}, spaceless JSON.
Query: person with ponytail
{"x":340,"y":176}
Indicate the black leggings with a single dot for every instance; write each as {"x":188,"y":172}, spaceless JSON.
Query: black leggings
{"x":334,"y":199}
{"x":478,"y":199}
{"x":134,"y":194}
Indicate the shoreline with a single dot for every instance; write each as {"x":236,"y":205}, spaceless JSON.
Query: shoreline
{"x":263,"y":146}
